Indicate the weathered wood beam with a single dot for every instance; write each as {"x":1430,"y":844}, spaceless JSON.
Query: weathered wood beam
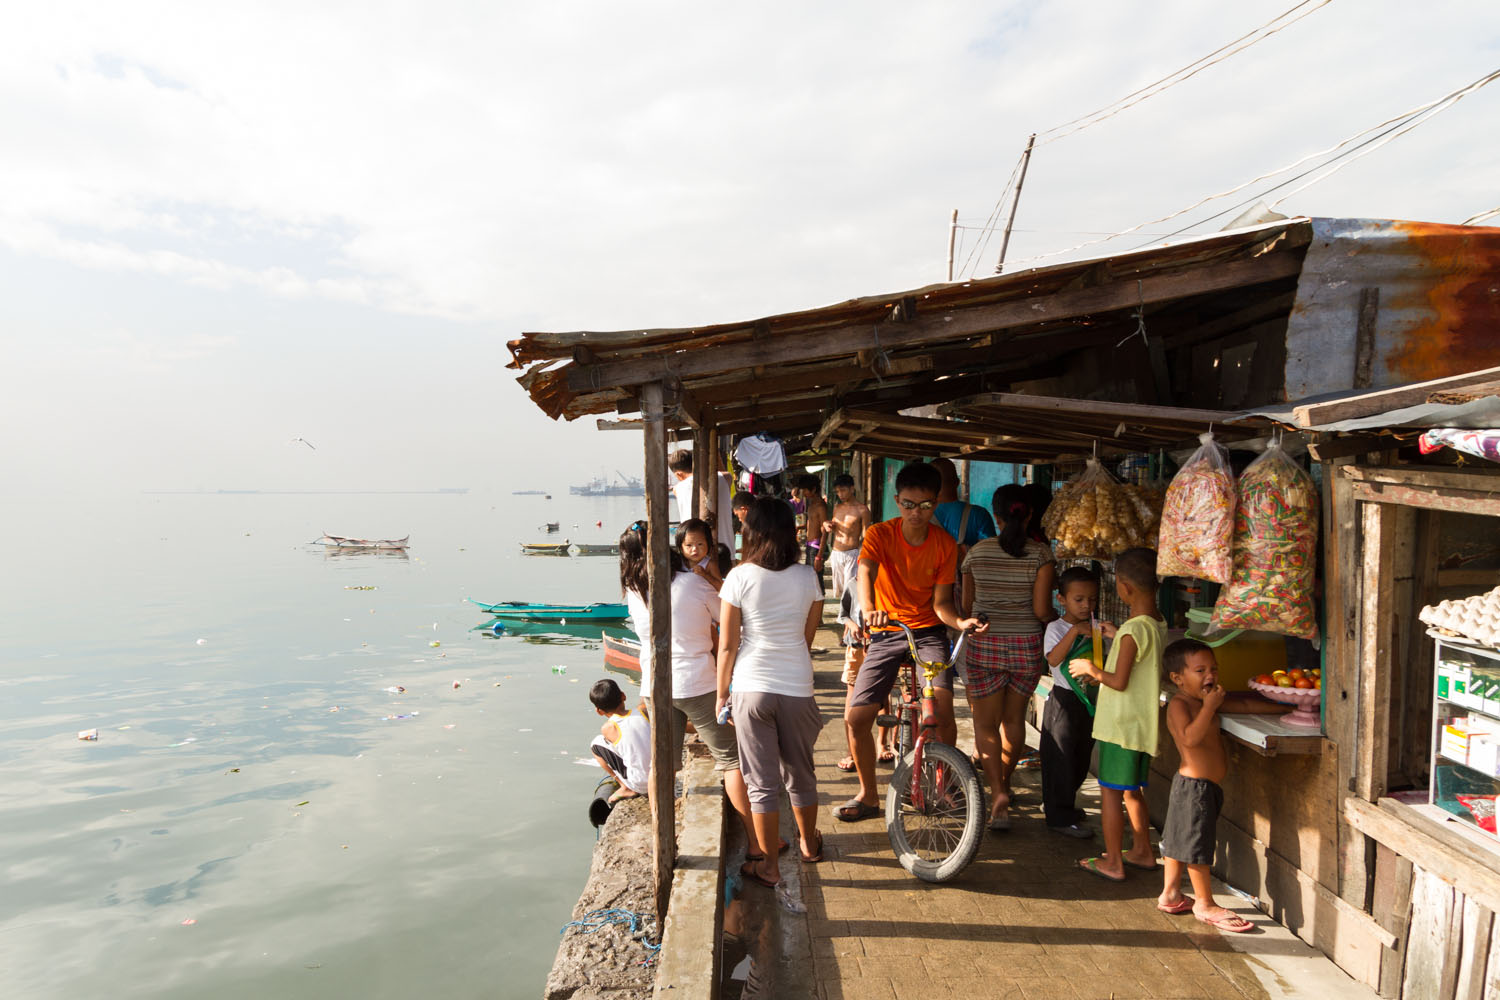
{"x":946,"y":325}
{"x":659,"y":582}
{"x":1370,"y":403}
{"x":1131,"y":413}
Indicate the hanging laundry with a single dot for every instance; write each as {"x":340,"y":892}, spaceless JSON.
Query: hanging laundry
{"x":761,"y":453}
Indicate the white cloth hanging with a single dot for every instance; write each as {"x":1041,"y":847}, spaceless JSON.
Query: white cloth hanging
{"x":762,"y":455}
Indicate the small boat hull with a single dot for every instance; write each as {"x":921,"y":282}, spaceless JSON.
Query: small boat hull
{"x":340,"y":542}
{"x":622,"y":654}
{"x":524,"y":611}
{"x":596,"y":550}
{"x":545,"y":548}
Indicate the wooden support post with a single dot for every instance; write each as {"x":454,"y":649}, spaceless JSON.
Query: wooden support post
{"x":704,"y":474}
{"x":1341,"y":561}
{"x":1376,"y":650}
{"x":659,"y":575}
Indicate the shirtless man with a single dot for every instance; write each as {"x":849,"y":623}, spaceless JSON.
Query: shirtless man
{"x":843,"y":533}
{"x":1190,"y":833}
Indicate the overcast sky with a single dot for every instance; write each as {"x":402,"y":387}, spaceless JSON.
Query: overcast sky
{"x":226,"y":226}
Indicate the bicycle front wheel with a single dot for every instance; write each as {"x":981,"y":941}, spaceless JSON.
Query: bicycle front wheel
{"x":939,"y":840}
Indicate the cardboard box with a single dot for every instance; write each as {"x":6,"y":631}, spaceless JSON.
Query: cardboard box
{"x":1484,"y":753}
{"x":1458,"y":736}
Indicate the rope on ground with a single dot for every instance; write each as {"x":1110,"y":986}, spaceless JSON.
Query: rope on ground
{"x":638,"y":923}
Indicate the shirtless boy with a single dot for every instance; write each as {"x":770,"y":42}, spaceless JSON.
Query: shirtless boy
{"x":1189,"y":834}
{"x":843,"y":533}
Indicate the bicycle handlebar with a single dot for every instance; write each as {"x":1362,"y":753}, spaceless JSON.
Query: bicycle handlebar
{"x":911,"y":642}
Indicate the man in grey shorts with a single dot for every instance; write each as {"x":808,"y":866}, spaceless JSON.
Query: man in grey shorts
{"x":906,"y":573}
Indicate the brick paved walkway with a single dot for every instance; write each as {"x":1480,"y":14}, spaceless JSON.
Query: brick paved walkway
{"x":1021,"y":922}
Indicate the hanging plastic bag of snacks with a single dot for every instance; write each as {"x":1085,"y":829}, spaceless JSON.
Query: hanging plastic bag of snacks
{"x":1197,"y":517}
{"x":1093,"y":516}
{"x":1275,"y":550}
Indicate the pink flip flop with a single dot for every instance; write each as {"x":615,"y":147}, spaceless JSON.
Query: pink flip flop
{"x":1181,"y":906}
{"x":1228,"y":921}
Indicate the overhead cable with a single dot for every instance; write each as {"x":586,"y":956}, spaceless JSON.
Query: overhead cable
{"x":1271,"y":27}
{"x":977,"y":250}
{"x":1399,"y":124}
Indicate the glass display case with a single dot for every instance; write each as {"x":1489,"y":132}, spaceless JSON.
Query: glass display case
{"x":1466,"y":731}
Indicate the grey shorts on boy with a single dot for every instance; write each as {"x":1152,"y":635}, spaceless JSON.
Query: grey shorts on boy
{"x":1191,"y":830}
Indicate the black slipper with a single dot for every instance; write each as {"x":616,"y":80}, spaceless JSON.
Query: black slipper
{"x":786,"y":845}
{"x":854,"y":810}
{"x":815,"y":856}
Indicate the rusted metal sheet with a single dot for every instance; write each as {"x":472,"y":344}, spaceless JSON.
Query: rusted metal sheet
{"x":1428,"y":295}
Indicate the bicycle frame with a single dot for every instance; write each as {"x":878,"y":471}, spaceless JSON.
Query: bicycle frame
{"x":927,"y":728}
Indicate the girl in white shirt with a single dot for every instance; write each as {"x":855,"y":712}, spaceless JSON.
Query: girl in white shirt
{"x":695,"y":617}
{"x":770,"y":609}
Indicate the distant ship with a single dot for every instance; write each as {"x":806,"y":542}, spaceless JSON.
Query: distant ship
{"x":529,"y":493}
{"x":623,"y":486}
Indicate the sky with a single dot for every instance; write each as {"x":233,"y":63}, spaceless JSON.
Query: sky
{"x":223,"y":227}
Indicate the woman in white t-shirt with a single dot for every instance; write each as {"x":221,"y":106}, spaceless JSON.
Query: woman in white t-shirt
{"x":695,"y":618}
{"x":770,"y":609}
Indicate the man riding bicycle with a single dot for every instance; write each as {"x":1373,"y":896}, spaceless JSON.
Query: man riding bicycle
{"x":906,"y":572}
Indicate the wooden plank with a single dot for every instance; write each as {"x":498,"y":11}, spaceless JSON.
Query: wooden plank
{"x":1370,"y":403}
{"x":1375,"y":654}
{"x":1441,"y":856}
{"x":1412,"y":475}
{"x":1478,"y":925}
{"x":705,"y":474}
{"x":1467,"y":395}
{"x":1331,"y":446}
{"x":1492,"y":967}
{"x":659,"y":576}
{"x":1392,"y":910}
{"x":1364,"y":336}
{"x":1467,"y":578}
{"x":1126,"y":412}
{"x":1431,"y":914}
{"x":1430,"y":497}
{"x":936,"y":327}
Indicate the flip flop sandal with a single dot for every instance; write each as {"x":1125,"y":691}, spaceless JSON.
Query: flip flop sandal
{"x":755,"y":876}
{"x":785,"y":846}
{"x":1091,"y":865}
{"x":815,"y":856}
{"x":846,"y":765}
{"x":854,"y":810}
{"x":1153,"y":867}
{"x":1183,"y":905}
{"x":1227,"y":921}
{"x":887,"y":756}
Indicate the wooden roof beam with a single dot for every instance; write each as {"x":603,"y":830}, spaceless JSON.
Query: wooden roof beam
{"x":937,"y":327}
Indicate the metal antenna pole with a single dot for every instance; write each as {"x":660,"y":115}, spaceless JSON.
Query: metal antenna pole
{"x":952,"y":237}
{"x":1015,"y":203}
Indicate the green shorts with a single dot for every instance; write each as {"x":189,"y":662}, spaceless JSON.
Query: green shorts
{"x":1121,"y":769}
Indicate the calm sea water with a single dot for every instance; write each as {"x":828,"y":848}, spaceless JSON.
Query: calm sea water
{"x":260,"y":816}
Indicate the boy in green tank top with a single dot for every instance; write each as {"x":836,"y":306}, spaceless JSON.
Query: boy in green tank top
{"x":1127,"y":718}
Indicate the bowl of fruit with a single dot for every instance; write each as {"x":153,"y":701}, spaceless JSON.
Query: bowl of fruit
{"x":1302,"y":689}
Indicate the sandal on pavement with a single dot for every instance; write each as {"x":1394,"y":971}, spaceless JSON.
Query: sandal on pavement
{"x":854,"y":810}
{"x":847,"y":764}
{"x":1000,"y":824}
{"x":750,"y":873}
{"x":1091,"y":865}
{"x":1181,"y":906}
{"x":815,"y":856}
{"x":1227,"y":920}
{"x":887,"y":756}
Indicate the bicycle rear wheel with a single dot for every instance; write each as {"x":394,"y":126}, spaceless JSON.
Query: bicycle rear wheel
{"x":936,"y":842}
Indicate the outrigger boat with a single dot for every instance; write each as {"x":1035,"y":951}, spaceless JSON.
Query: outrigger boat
{"x":338,"y":541}
{"x":596,"y":550}
{"x":526,"y":611}
{"x":545,"y":548}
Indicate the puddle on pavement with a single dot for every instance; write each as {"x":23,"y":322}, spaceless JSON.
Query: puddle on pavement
{"x":767,"y":951}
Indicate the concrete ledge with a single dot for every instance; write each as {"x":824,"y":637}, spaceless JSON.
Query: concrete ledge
{"x":688,"y":965}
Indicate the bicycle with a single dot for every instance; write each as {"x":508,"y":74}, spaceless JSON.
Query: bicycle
{"x":935,"y":805}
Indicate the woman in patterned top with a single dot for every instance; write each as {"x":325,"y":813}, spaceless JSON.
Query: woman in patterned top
{"x":1010,"y":580}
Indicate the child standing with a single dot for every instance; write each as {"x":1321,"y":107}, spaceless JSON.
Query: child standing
{"x":623,"y":746}
{"x":1126,"y":718}
{"x":1190,"y":832}
{"x":1068,"y":720}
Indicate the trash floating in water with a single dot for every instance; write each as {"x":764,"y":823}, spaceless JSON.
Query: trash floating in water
{"x":302,"y":803}
{"x":189,"y":922}
{"x":789,"y":902}
{"x":591,"y":762}
{"x":203,"y":642}
{"x":233,"y":770}
{"x":450,"y":725}
{"x":434,"y":626}
{"x":88,"y":734}
{"x":559,"y":669}
{"x":395,"y":689}
{"x":334,"y":709}
{"x":434,"y":644}
{"x":190,"y":739}
{"x":523,"y":730}
{"x":362,"y":588}
{"x":496,"y":684}
{"x":455,"y":685}
{"x":409,"y":715}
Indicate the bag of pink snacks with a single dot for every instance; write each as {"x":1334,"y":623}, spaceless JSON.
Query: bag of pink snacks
{"x":1275,"y":550}
{"x":1197,"y":518}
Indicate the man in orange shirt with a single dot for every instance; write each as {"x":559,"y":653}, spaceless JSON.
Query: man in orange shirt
{"x":906,"y":573}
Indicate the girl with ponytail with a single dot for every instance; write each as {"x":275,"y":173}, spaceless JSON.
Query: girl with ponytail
{"x":1008,"y":578}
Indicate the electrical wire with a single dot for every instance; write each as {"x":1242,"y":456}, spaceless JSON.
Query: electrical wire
{"x":1185,"y":73}
{"x":1398,"y":124}
{"x":977,"y":250}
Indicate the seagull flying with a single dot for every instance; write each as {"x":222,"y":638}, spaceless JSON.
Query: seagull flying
{"x":304,"y":441}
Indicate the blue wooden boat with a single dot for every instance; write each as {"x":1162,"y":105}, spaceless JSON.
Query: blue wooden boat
{"x":526,"y":611}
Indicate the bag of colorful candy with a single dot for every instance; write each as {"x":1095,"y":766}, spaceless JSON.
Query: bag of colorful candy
{"x":1275,"y":550}
{"x":1197,"y":517}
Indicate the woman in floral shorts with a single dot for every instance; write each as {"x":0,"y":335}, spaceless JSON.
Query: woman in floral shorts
{"x":1009,"y":579}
